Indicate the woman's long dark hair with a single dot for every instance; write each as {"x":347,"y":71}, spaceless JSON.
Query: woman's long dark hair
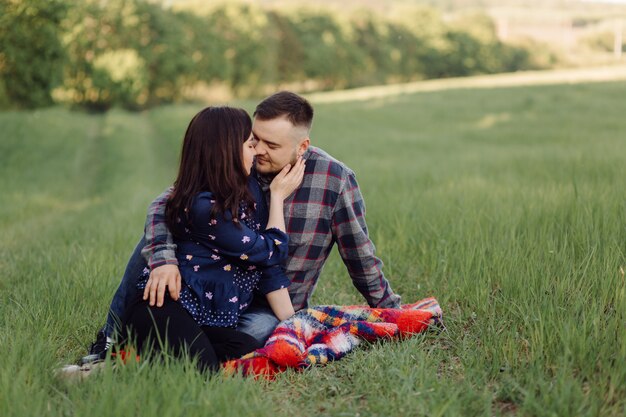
{"x":212,"y":160}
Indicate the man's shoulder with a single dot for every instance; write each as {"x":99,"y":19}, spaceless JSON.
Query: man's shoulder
{"x":326,"y":164}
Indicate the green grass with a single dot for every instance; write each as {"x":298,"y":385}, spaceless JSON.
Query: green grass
{"x":507,"y":205}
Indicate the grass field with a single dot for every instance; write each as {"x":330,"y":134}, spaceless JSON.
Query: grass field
{"x":506,"y":204}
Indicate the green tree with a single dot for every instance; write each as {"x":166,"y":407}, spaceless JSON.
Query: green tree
{"x":129,"y":53}
{"x":31,"y":52}
{"x":330,"y":56}
{"x":167,"y":49}
{"x":418,"y":36}
{"x":289,"y":50}
{"x":244,"y":30}
{"x":103,"y":70}
{"x":206,"y":47}
{"x":380,"y":57}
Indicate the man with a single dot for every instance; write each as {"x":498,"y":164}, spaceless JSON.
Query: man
{"x":327,"y":208}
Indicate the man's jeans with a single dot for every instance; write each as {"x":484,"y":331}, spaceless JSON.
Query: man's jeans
{"x":258,"y":320}
{"x":126,"y":292}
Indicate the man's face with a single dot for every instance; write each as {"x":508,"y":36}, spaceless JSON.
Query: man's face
{"x":279,"y":143}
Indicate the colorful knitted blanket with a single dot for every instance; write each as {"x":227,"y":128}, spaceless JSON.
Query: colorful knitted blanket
{"x":320,"y":334}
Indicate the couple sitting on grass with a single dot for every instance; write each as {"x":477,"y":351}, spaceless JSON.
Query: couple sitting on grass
{"x":238,"y":243}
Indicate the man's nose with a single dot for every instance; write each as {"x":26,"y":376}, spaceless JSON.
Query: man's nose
{"x":260,"y":149}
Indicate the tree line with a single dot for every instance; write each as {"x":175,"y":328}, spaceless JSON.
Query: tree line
{"x":136,"y":54}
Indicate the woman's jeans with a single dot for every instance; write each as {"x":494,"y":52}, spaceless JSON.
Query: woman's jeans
{"x":258,"y":320}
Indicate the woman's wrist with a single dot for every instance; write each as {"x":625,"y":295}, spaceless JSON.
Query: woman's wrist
{"x":276,"y":198}
{"x":276,"y":218}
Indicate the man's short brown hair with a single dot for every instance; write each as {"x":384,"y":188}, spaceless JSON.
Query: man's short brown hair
{"x":285,"y":103}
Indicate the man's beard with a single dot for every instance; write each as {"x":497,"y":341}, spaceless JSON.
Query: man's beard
{"x":272,"y":174}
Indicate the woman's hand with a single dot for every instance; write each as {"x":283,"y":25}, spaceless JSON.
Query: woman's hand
{"x":287,"y":180}
{"x":285,"y":183}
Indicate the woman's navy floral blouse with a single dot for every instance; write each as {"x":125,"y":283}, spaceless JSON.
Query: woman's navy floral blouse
{"x":222,"y":262}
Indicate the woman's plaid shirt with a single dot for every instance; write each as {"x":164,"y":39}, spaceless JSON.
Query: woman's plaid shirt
{"x":328,"y":208}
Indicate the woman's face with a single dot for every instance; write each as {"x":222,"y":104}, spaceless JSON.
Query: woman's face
{"x":249,"y":153}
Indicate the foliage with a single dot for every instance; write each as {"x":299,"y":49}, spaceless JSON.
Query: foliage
{"x":243,"y":30}
{"x":129,"y":53}
{"x":96,"y":36}
{"x":31,"y":53}
{"x":530,"y":53}
{"x":603,"y":41}
{"x":137,"y":54}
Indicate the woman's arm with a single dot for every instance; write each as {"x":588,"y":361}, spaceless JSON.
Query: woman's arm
{"x":222,"y":237}
{"x":281,"y":303}
{"x":283,"y":184}
{"x":225,"y":238}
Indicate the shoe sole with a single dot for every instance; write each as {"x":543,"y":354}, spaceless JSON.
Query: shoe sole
{"x":78,"y":373}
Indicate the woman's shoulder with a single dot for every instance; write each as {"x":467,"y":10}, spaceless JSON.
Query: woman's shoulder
{"x":202,"y":208}
{"x":203,"y":195}
{"x":202,"y":203}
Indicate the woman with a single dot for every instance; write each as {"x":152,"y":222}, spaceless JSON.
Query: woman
{"x":224,"y":249}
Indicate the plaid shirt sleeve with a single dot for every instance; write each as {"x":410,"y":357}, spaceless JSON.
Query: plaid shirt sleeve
{"x":356,"y":248}
{"x":160,"y":248}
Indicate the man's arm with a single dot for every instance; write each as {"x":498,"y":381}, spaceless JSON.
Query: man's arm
{"x":357,"y":250}
{"x":160,"y":254}
{"x":160,"y":248}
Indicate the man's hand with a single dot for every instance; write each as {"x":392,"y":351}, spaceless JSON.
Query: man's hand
{"x":162,"y":277}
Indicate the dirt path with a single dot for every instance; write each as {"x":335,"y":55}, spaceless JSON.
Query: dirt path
{"x":564,"y":76}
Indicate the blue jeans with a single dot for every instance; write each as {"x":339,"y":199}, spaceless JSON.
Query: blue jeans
{"x":258,"y":320}
{"x":126,"y":292}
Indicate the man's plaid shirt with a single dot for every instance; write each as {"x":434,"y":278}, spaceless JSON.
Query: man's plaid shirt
{"x":328,"y":208}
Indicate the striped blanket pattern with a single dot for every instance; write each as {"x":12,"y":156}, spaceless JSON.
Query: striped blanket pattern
{"x":320,"y":334}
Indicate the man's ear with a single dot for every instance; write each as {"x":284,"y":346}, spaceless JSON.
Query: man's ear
{"x":304,"y":145}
